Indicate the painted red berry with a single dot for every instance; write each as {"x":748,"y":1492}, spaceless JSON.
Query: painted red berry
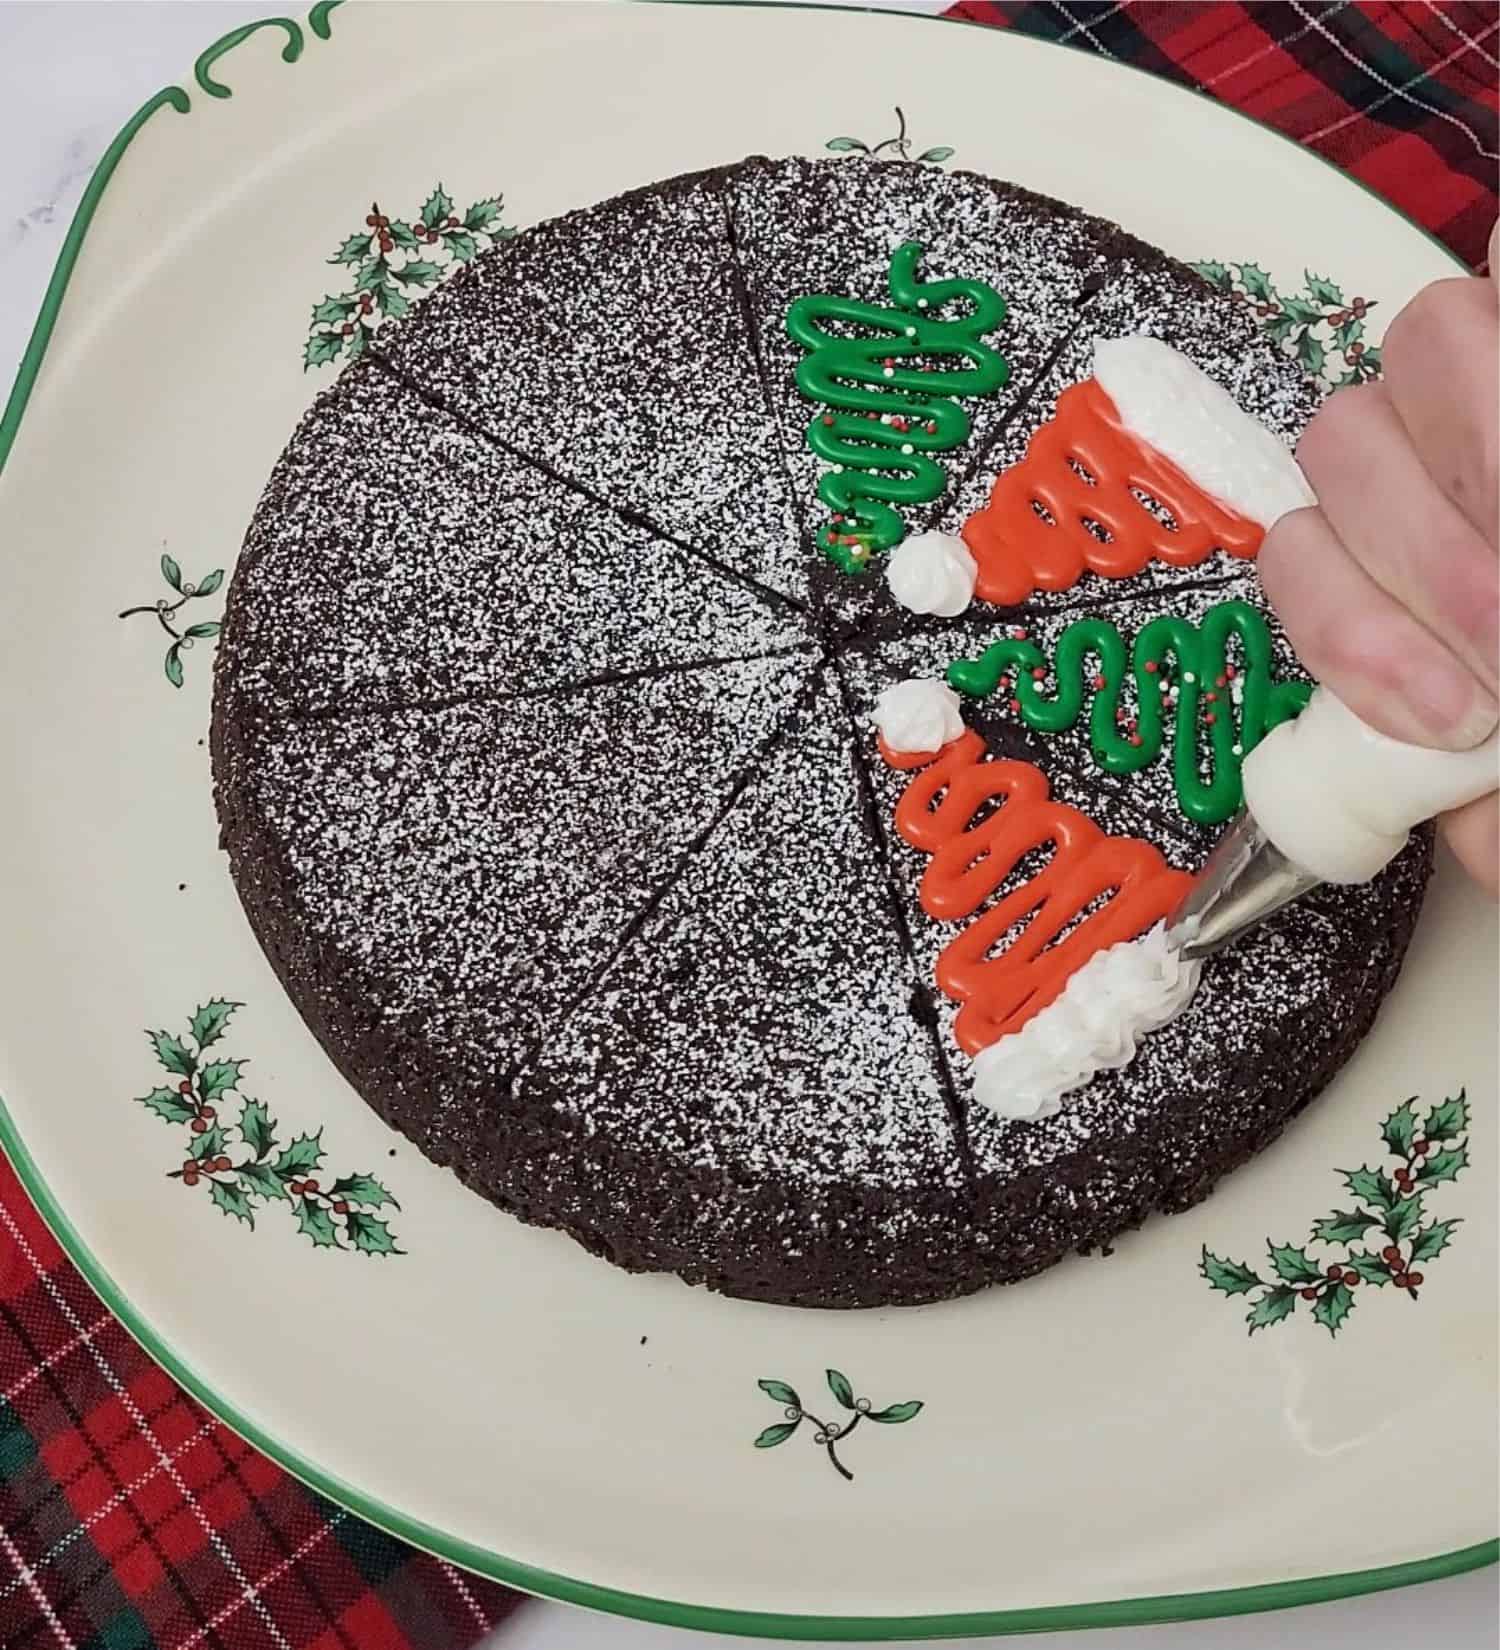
{"x":190,"y":1167}
{"x":198,"y":1126}
{"x":341,"y":1208}
{"x":453,"y":223}
{"x":1350,"y":1279}
{"x":184,"y":1087}
{"x":366,"y":302}
{"x":1421,"y":1147}
{"x":207,"y":1113}
{"x":1391,"y":1256}
{"x":1360,"y":306}
{"x":347,"y":328}
{"x":371,"y":220}
{"x":1413,"y":1279}
{"x":309,"y":1185}
{"x":190,"y":1178}
{"x":1309,"y":1294}
{"x":1335,"y":1270}
{"x":222,"y":1164}
{"x":1355,"y":351}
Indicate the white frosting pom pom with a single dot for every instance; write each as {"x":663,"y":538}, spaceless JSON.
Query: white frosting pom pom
{"x":918,"y":714}
{"x":932,"y":573}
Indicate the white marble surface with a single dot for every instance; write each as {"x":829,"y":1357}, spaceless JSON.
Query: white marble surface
{"x":70,"y":74}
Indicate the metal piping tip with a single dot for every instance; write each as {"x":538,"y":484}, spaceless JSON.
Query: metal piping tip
{"x":1245,"y":879}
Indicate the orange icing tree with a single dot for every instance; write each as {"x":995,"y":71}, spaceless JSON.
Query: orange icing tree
{"x":1085,"y":467}
{"x":949,"y":810}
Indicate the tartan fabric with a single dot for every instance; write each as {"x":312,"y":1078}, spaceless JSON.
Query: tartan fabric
{"x":1401,"y":96}
{"x":129,"y":1518}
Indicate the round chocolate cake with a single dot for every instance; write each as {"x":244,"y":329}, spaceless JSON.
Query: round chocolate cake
{"x":545,"y":757}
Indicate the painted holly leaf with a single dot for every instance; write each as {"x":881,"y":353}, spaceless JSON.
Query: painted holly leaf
{"x":219,"y":1076}
{"x":417,"y":272}
{"x":257,"y":1127}
{"x":401,"y":234}
{"x":362,"y":1188}
{"x":199,"y":632}
{"x":1448,"y":1119}
{"x":171,"y":572}
{"x":935,"y":156}
{"x":315,"y":1222}
{"x":1303,"y":314}
{"x":168,"y":1104}
{"x":461,"y":244}
{"x":1292,"y":1264}
{"x":352,"y":251}
{"x":330,"y":311}
{"x":1400,"y":1128}
{"x":1343,"y":1226}
{"x":358,"y":341}
{"x":437,"y":207}
{"x":305,"y":1153}
{"x":1348,"y":332}
{"x":1321,"y":289}
{"x":209,"y":583}
{"x":1279,"y":328}
{"x":173,"y":665}
{"x":1369,"y":1268}
{"x":1371,"y":1186}
{"x":208,"y":1144}
{"x":1333,"y":1307}
{"x":369,"y":1235}
{"x":321,"y":348}
{"x":1272,"y":1307}
{"x":392,"y":302}
{"x":1231,"y":1277}
{"x":1430,"y":1242}
{"x":261,"y":1180}
{"x":210,"y":1018}
{"x":483,"y":214}
{"x":778,"y":1434}
{"x":839,"y":1386}
{"x":893,"y":1414}
{"x":232,"y":1200}
{"x":1404,"y":1219}
{"x":1445,"y":1165}
{"x":1255,"y":281}
{"x":506,"y":232}
{"x":1215,"y":273}
{"x":781,"y":1392}
{"x":843,"y":145}
{"x":173,"y":1053}
{"x":372,"y":276}
{"x":1310,"y":353}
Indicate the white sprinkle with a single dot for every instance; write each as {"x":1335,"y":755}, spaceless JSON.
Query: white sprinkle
{"x":889,"y":372}
{"x":907,"y":448}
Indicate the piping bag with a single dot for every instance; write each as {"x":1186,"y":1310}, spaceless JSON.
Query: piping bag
{"x":1327,"y":799}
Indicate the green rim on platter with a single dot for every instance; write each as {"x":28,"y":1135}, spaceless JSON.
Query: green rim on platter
{"x":1110,"y":1613}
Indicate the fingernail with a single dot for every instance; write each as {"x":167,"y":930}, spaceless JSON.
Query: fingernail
{"x":1455,"y":711}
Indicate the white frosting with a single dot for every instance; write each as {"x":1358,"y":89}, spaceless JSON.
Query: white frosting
{"x":1095,"y":1025}
{"x":1179,"y":410}
{"x":932,"y":573}
{"x":918,"y":714}
{"x":1338,"y":798}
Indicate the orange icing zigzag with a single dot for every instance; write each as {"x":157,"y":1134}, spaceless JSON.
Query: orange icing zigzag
{"x":1018,"y":551}
{"x":971,"y":862}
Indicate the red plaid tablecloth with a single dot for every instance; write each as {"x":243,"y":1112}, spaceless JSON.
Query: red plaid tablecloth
{"x":129,"y":1519}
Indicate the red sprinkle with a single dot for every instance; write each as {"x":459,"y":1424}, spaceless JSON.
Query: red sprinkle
{"x":1004,"y":684}
{"x":1015,"y":705}
{"x":1210,"y":696}
{"x":1222,"y":681}
{"x":1229,"y":672}
{"x":889,"y":361}
{"x":1039,"y":674}
{"x":1100,"y":683}
{"x":827,"y":418}
{"x":1018,"y":635}
{"x":1210,"y":717}
{"x":1135,"y":739}
{"x":1150,"y":666}
{"x":932,"y":429}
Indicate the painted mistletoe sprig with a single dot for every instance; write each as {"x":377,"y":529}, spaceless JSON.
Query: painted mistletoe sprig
{"x":1428,"y":1153}
{"x":394,"y":262}
{"x":828,"y":1434}
{"x":239,"y":1174}
{"x":164,"y":611}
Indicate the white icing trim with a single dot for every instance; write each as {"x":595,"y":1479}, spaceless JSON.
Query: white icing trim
{"x":1095,"y":1024}
{"x":1175,"y":407}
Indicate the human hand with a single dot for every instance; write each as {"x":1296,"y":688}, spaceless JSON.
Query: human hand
{"x":1390,"y":588}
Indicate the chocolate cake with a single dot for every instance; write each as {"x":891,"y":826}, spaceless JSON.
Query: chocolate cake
{"x":544,"y":755}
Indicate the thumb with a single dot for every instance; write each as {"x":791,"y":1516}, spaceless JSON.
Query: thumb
{"x":1492,"y":256}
